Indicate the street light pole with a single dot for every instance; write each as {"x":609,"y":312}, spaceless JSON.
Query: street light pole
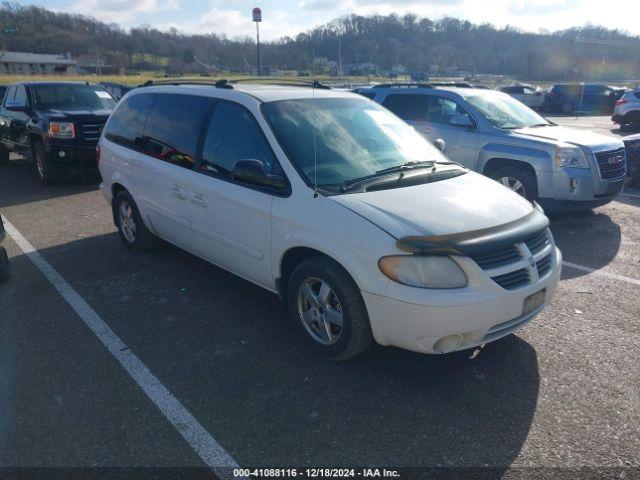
{"x":257,"y":18}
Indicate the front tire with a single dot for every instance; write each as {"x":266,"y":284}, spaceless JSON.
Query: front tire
{"x":48,"y":173}
{"x":520,"y":180}
{"x":5,"y":272}
{"x":133,"y":232}
{"x":567,"y":107}
{"x":327,"y":309}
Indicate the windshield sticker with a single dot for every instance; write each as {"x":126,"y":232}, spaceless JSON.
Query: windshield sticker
{"x":102,"y":94}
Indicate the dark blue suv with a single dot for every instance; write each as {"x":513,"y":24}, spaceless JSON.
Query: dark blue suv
{"x":585,"y":97}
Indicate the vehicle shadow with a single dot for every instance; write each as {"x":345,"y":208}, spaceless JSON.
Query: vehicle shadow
{"x":581,"y":236}
{"x":20,"y":181}
{"x":224,"y":348}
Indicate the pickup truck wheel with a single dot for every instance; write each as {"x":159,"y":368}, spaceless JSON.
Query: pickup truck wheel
{"x":566,"y":107}
{"x":520,"y":180}
{"x":4,"y":265}
{"x":48,"y":173}
{"x":327,"y":309}
{"x":4,"y":155}
{"x":133,"y":232}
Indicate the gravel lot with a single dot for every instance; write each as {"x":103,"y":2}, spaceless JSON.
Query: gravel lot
{"x":563,"y":392}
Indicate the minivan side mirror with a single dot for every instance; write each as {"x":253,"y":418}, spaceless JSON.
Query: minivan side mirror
{"x":461,"y":121}
{"x":16,"y":107}
{"x":253,"y":173}
{"x":439,"y":144}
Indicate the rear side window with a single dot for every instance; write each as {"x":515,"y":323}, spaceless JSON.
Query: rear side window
{"x":126,"y":125}
{"x":233,"y":135}
{"x":408,"y":107}
{"x":173,"y":127}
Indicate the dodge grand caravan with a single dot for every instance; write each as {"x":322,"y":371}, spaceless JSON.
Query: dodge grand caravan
{"x":365,"y":230}
{"x":490,"y":132}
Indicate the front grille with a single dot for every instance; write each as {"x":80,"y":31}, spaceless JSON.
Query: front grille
{"x":512,"y":280}
{"x":508,"y":266}
{"x":90,"y":132}
{"x":612,"y":164}
{"x":544,"y":266}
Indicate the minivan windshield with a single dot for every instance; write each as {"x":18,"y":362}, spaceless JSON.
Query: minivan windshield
{"x":354,"y":138}
{"x":503,"y":111}
{"x":72,"y":97}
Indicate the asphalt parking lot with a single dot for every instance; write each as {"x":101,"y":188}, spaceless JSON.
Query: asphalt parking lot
{"x":563,"y":392}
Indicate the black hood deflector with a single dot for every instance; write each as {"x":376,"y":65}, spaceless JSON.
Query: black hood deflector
{"x":477,"y":241}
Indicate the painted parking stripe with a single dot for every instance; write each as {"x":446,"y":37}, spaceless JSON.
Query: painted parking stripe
{"x":614,"y":276}
{"x":630,"y":195}
{"x":209,"y":450}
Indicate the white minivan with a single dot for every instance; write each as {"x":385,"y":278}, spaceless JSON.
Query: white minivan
{"x":365,"y":230}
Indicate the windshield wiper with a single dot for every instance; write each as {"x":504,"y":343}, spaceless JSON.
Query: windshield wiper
{"x":363,"y":181}
{"x":540,"y":125}
{"x":407,"y":166}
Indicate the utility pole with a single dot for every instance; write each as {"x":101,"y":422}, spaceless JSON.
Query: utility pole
{"x":257,"y":18}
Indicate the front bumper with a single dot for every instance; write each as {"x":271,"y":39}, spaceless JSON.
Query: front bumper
{"x":415,"y":319}
{"x":70,"y":156}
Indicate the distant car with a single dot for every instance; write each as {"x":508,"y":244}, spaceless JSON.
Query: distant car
{"x":632,"y":144}
{"x":55,"y":124}
{"x":117,"y":90}
{"x":4,"y":259}
{"x":586,"y":97}
{"x":530,"y":95}
{"x":627,"y":109}
{"x":492,"y":133}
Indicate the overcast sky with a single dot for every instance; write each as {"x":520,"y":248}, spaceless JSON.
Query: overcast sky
{"x":288,"y":17}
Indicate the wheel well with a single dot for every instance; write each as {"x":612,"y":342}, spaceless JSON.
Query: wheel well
{"x":495,"y":163}
{"x":290,"y":260}
{"x":116,"y":188}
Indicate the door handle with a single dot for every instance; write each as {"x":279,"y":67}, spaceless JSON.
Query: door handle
{"x":199,"y":200}
{"x":178,"y":192}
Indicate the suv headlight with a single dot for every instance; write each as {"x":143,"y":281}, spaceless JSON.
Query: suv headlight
{"x":570,"y":156}
{"x":62,"y":130}
{"x":423,"y":271}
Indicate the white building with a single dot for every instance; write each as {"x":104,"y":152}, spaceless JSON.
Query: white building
{"x":23,"y":63}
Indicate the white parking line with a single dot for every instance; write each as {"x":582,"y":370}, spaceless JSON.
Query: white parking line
{"x":630,"y":195}
{"x":209,"y":450}
{"x":614,"y":276}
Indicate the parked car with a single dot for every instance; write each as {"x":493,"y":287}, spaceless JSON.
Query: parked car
{"x":55,"y":124}
{"x":3,"y":90}
{"x":4,"y":258}
{"x":627,"y":109}
{"x":117,"y":90}
{"x":363,"y":228}
{"x":632,"y":143}
{"x":584,"y":97}
{"x":530,"y":95}
{"x":490,"y":132}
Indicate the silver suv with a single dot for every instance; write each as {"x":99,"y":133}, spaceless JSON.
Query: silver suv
{"x":627,"y":109}
{"x":492,"y":133}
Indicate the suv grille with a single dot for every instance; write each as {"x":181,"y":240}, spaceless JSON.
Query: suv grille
{"x":511,"y":269}
{"x":612,"y":164}
{"x":90,"y":131}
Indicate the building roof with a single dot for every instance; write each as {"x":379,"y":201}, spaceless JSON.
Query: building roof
{"x":26,"y":57}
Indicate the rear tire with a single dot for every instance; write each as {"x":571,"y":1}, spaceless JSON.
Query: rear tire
{"x":133,"y":232}
{"x":337,"y":326}
{"x":520,"y":180}
{"x":48,"y":173}
{"x":5,"y":272}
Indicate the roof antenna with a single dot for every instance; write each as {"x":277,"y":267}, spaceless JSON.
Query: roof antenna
{"x":313,"y":107}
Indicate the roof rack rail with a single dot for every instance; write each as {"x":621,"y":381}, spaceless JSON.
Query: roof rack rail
{"x":403,"y":84}
{"x":286,"y":81}
{"x":222,"y":83}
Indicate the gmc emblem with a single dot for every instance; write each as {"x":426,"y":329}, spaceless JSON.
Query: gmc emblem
{"x":615,"y":160}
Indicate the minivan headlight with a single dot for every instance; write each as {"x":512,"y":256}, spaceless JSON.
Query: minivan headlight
{"x":423,"y":271}
{"x":62,"y":130}
{"x":569,"y":156}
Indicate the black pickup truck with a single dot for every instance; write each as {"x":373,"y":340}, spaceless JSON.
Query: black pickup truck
{"x":55,"y":124}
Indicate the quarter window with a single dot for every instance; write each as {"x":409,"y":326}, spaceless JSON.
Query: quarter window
{"x":408,"y":107}
{"x":173,"y":128}
{"x":126,"y":125}
{"x":234,"y":135}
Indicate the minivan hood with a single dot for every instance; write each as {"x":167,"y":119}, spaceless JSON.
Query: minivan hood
{"x":460,"y":204}
{"x":585,"y":138}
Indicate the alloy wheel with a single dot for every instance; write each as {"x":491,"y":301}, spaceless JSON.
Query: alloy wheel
{"x":514,"y":184}
{"x":127,"y":222}
{"x":320,"y":311}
